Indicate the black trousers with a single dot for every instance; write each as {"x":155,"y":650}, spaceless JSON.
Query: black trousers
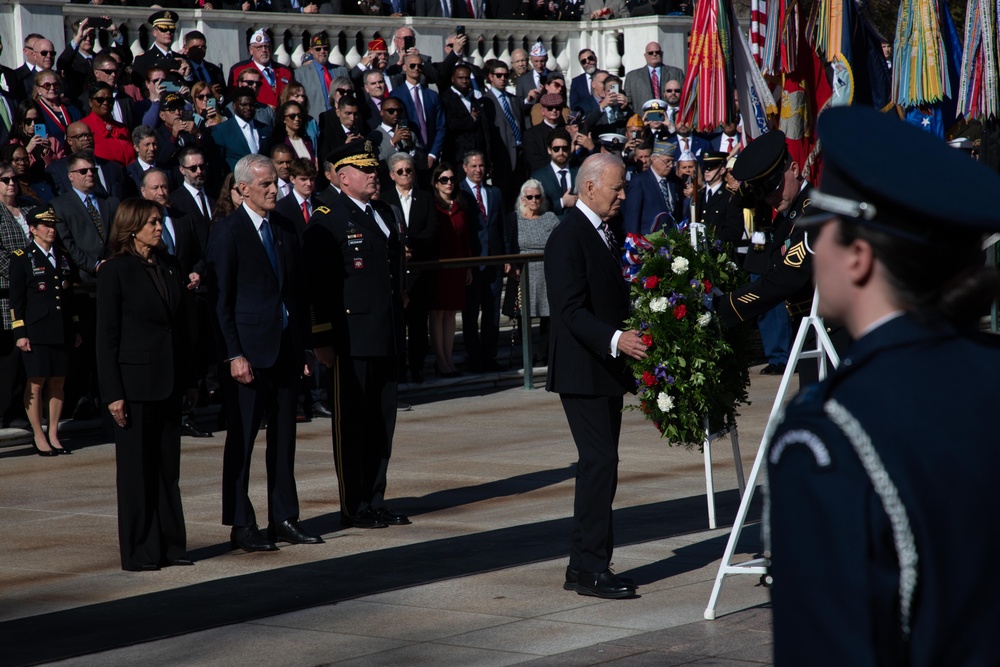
{"x":148,"y":456}
{"x":364,"y":400}
{"x":273,"y":392}
{"x":595,"y":422}
{"x":482,"y":296}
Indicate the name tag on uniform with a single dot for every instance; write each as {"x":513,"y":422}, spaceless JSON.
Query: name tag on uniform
{"x":354,"y":242}
{"x":359,"y":263}
{"x":35,"y":270}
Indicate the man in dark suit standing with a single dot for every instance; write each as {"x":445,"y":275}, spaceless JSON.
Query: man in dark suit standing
{"x":242,"y":134}
{"x":557,"y":177}
{"x":505,"y":125}
{"x":195,"y":47}
{"x":354,"y":259}
{"x":580,"y":88}
{"x":110,"y":178}
{"x":428,"y":120}
{"x":487,"y":237}
{"x":589,"y":301}
{"x":646,"y":83}
{"x":528,"y":86}
{"x":10,"y":84}
{"x":258,"y":296}
{"x":191,"y":197}
{"x":654,"y":191}
{"x":464,"y":116}
{"x":341,"y":125}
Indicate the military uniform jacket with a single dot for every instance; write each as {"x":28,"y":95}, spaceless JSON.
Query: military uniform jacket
{"x":788,"y":278}
{"x":41,"y":297}
{"x":884,"y":547}
{"x":355,"y":277}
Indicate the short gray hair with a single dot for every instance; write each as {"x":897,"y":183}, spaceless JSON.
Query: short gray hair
{"x":396,"y":158}
{"x":367,"y":76}
{"x":151,"y":172}
{"x":340,"y":82}
{"x":531,"y":184}
{"x":243,"y":173}
{"x":596,"y":167}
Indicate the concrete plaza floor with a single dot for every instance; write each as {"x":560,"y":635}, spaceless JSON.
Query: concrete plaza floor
{"x":485,"y":472}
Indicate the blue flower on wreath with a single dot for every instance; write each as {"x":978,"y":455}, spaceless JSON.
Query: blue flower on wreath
{"x":696,"y":285}
{"x":670,"y":379}
{"x":674,"y":298}
{"x":661,"y":373}
{"x":664,"y":251}
{"x":718,"y":246}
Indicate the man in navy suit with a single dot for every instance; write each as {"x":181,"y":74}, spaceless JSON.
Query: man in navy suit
{"x":557,"y":177}
{"x":589,"y":302}
{"x":110,"y":179}
{"x":242,"y":134}
{"x":653,"y":192}
{"x":581,"y":87}
{"x":487,"y":237}
{"x":430,"y":124}
{"x":257,"y":291}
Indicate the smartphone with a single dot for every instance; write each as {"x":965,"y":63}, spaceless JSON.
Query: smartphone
{"x":211,"y":103}
{"x":187,"y":114}
{"x":41,"y":131}
{"x":459,"y":30}
{"x":100,"y":23}
{"x":403,"y":123}
{"x":613,"y":89}
{"x":171,"y":87}
{"x":409,"y":42}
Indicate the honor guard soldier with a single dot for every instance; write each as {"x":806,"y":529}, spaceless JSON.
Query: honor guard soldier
{"x":354,"y":261}
{"x":882,"y":476}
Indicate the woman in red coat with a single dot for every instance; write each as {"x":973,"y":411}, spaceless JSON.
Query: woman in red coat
{"x":449,"y":288}
{"x":112,"y":140}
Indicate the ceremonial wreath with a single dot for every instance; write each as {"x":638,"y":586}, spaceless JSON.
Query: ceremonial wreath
{"x":694,"y":367}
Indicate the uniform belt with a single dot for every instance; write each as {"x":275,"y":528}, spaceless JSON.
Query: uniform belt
{"x":799,"y":308}
{"x":759,"y":247}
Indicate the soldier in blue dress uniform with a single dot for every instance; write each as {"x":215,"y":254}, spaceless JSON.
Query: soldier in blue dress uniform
{"x":41,"y":299}
{"x":882,"y":477}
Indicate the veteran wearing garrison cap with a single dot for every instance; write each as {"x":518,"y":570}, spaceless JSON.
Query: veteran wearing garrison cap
{"x":882,"y":477}
{"x":276,"y":76}
{"x":653,"y":197}
{"x":317,"y":72}
{"x":354,"y":261}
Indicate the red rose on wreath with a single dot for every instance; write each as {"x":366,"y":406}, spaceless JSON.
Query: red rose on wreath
{"x":648,"y":379}
{"x":680,"y":311}
{"x":651,"y":282}
{"x":646,"y":408}
{"x":647,"y":340}
{"x":707,"y":284}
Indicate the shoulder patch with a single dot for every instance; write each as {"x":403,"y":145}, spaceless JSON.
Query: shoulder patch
{"x":321,"y":209}
{"x":18,"y":252}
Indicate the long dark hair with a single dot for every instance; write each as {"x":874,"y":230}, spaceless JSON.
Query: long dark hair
{"x":455,"y":193}
{"x":224,"y":204}
{"x":131,"y":216}
{"x":17,"y":123}
{"x":279,"y":133}
{"x":940,"y":277}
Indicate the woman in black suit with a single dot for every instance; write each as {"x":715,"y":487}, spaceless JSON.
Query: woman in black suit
{"x":141,"y":349}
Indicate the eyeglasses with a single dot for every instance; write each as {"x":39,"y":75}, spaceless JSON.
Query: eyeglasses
{"x":401,"y":172}
{"x":321,"y":48}
{"x":532,"y":197}
{"x":672,"y":90}
{"x":50,"y":85}
{"x":81,"y":135}
{"x":203,"y":96}
{"x":445,"y":179}
{"x":552,"y":108}
{"x":109,"y":72}
{"x":19,"y":160}
{"x":45,"y":53}
{"x":252,"y":82}
{"x":102,"y":100}
{"x":293,"y":116}
{"x":84,"y":171}
{"x":345,"y":91}
{"x":588,"y":59}
{"x":7,"y":180}
{"x":415,"y":66}
{"x":556,"y":84}
{"x":559,"y":149}
{"x":392,"y":110}
{"x":195,"y":167}
{"x":654,"y":53}
{"x":31,"y":121}
{"x":500,"y":75}
{"x":170,"y":30}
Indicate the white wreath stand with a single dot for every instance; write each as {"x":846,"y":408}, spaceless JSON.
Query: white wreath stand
{"x":823,"y":351}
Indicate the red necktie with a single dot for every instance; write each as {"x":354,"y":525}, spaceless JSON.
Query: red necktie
{"x":479,"y":200}
{"x":305,"y":211}
{"x":472,"y":10}
{"x":729,"y":149}
{"x":656,"y":84}
{"x":327,"y":78}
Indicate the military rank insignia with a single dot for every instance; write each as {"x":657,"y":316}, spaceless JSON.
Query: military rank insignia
{"x":796,"y":255}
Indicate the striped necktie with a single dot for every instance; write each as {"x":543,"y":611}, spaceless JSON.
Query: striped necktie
{"x":510,"y":117}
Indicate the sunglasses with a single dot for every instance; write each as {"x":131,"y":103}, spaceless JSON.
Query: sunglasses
{"x":30,"y":121}
{"x":203,"y":96}
{"x":321,"y":48}
{"x":45,"y":53}
{"x":588,"y":59}
{"x":49,"y":86}
{"x":401,"y":172}
{"x":109,"y":72}
{"x":449,"y":45}
{"x":194,"y":167}
{"x":345,"y":91}
{"x":552,"y":108}
{"x":559,"y":149}
{"x":293,"y":116}
{"x":672,"y":90}
{"x":391,"y":110}
{"x":532,"y":197}
{"x":500,"y":75}
{"x":7,"y":180}
{"x":82,"y":135}
{"x":84,"y":171}
{"x":102,"y":100}
{"x":252,"y":82}
{"x":170,"y":30}
{"x":446,"y":179}
{"x":654,"y":53}
{"x":415,"y":66}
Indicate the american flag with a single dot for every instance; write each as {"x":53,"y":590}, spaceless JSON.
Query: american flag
{"x":758,"y":24}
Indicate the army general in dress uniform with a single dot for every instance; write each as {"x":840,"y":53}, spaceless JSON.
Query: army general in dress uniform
{"x":883,"y":477}
{"x":354,"y":260}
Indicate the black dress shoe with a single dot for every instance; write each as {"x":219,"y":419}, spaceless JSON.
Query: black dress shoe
{"x":391,"y":518}
{"x":363,"y":519}
{"x":180,"y":561}
{"x":289,"y":531}
{"x":145,"y":567}
{"x":249,"y":538}
{"x":189,"y":429}
{"x":44,"y":452}
{"x":320,"y":410}
{"x":773,"y":369}
{"x":573,"y":577}
{"x":604,"y":585}
{"x":60,"y":450}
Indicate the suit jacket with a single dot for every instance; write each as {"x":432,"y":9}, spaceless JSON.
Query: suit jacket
{"x":182,"y":200}
{"x":535,"y":153}
{"x":644,"y":201}
{"x":358,"y":280}
{"x":697,"y":145}
{"x":525,"y":84}
{"x":215,"y":73}
{"x":638,"y":85}
{"x":12,"y":237}
{"x":551,"y":188}
{"x":504,"y":151}
{"x":229,"y":138}
{"x":486,"y":237}
{"x":311,"y":78}
{"x":188,"y":248}
{"x":58,"y":174}
{"x":421,"y":226}
{"x":80,"y":236}
{"x":370,"y":113}
{"x":579,"y":91}
{"x":10,"y":85}
{"x":290,"y":209}
{"x":588,"y":302}
{"x":26,"y":80}
{"x":464,"y":132}
{"x":327,"y":196}
{"x":246,"y":293}
{"x":143,"y":347}
{"x":331,"y":133}
{"x":75,"y":70}
{"x":433,"y":116}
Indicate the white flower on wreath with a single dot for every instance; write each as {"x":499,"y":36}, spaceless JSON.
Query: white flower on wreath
{"x":679,"y":265}
{"x":704,"y":319}
{"x":659,"y":304}
{"x":664,"y":402}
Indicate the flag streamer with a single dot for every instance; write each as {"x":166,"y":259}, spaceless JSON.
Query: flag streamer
{"x":920,"y":63}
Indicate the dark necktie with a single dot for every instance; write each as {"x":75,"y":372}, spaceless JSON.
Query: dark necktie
{"x":168,"y":239}
{"x":505,"y":105}
{"x":95,"y":215}
{"x":272,"y":256}
{"x":667,"y":197}
{"x":609,"y":240}
{"x":480,"y":202}
{"x":204,"y":205}
{"x":563,"y":184}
